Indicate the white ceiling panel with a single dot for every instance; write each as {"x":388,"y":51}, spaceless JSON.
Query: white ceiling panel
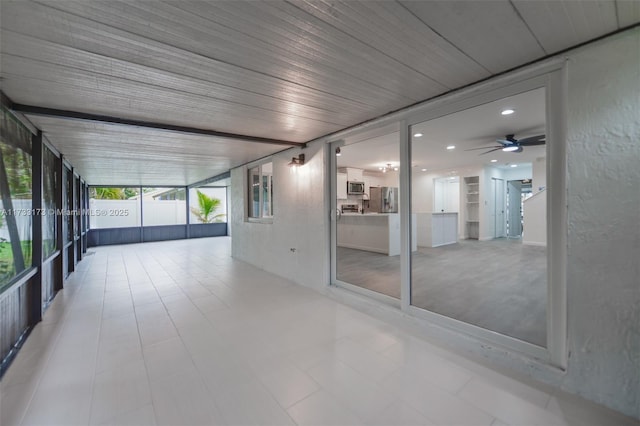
{"x":559,"y":24}
{"x":126,"y":155}
{"x":394,"y":31}
{"x":628,"y":12}
{"x":291,"y":70}
{"x":490,"y":32}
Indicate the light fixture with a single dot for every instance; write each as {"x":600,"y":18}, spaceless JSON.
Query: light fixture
{"x":494,"y":161}
{"x":388,"y":167}
{"x":338,"y":153}
{"x":417,"y":135}
{"x":507,"y":111}
{"x":514,"y":165}
{"x":424,"y":170}
{"x":511,"y":148}
{"x":297,"y":161}
{"x":450,"y":147}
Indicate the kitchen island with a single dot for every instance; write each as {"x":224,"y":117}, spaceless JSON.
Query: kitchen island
{"x":376,"y":232}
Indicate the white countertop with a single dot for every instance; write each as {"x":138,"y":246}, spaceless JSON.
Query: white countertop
{"x":369,"y":214}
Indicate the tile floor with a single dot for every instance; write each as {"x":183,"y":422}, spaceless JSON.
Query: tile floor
{"x":178,"y":333}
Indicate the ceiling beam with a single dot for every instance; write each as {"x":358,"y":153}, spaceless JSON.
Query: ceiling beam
{"x":76,"y":115}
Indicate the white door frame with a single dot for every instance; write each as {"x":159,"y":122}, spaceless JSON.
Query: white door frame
{"x":551,"y":75}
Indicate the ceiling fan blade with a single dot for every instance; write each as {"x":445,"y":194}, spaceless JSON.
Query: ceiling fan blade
{"x":482,"y":147}
{"x":533,"y":140}
{"x":491,"y":150}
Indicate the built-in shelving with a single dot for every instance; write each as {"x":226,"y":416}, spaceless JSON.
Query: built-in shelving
{"x":472,"y":207}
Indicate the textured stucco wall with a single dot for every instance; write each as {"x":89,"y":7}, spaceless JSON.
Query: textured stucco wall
{"x":603,"y":279}
{"x":603,"y":184}
{"x":300,"y":221}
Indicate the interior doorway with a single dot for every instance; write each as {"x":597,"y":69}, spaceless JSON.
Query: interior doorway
{"x":499,"y":208}
{"x":514,"y":209}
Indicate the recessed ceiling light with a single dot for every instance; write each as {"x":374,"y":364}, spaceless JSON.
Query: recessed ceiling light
{"x":417,"y":135}
{"x":424,"y":170}
{"x":514,"y":165}
{"x":507,"y":111}
{"x":494,"y":161}
{"x":450,"y":147}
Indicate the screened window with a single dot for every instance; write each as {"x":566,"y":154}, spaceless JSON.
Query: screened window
{"x":163,"y":206}
{"x":261,"y":191}
{"x":49,"y":223}
{"x":208,"y":205}
{"x":16,"y":190}
{"x":112,"y":207}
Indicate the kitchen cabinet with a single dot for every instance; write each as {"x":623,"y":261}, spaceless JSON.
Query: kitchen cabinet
{"x":342,"y":186}
{"x":355,"y":175}
{"x":437,"y":229}
{"x":376,"y":232}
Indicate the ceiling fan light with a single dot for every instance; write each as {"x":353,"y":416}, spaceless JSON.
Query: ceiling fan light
{"x":510,"y":148}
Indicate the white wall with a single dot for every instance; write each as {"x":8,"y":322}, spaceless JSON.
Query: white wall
{"x":534,"y":215}
{"x":539,"y":175}
{"x":300,"y":221}
{"x":603,"y":277}
{"x":603,"y":290}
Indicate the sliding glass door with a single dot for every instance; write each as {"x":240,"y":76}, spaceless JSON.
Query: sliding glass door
{"x":446,"y":216}
{"x":366,"y":215}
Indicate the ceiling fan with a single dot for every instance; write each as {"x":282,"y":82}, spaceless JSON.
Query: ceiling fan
{"x":511,"y":144}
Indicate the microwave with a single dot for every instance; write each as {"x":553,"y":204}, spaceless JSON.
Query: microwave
{"x":355,"y":188}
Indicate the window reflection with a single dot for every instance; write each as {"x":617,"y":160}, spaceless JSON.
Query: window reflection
{"x":16,"y":190}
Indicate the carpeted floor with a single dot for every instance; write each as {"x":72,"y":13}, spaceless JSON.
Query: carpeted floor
{"x":499,"y":285}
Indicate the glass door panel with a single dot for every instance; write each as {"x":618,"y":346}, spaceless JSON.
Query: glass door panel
{"x":464,"y":267}
{"x":367,"y":220}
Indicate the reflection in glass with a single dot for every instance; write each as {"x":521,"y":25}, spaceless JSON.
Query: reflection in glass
{"x":16,"y":191}
{"x":164,"y":206}
{"x":49,"y":223}
{"x":208,"y":205}
{"x":368,"y":226}
{"x":481,"y":255}
{"x":254,"y":192}
{"x":68,"y":204}
{"x":112,"y":207}
{"x":261,"y":191}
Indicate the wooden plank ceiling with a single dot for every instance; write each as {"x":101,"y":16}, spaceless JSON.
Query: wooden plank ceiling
{"x":293,"y":70}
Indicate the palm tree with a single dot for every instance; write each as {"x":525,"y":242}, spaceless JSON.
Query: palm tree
{"x":206,"y":208}
{"x":102,"y":193}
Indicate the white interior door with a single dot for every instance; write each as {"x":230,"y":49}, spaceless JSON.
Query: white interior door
{"x":499,"y":208}
{"x":514,"y":211}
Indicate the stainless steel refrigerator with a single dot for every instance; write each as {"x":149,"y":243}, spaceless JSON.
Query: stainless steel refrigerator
{"x":383,"y":199}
